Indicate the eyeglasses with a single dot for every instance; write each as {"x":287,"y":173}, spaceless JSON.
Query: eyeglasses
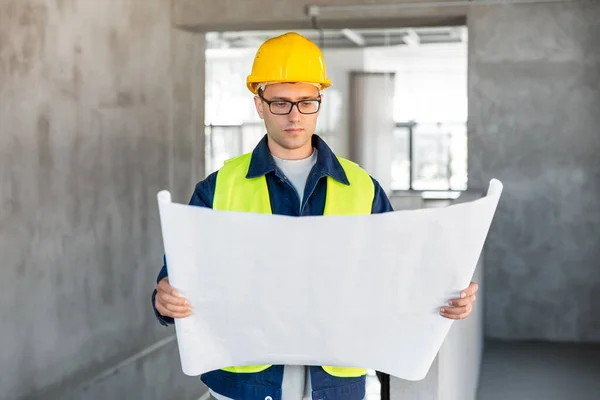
{"x":284,"y":107}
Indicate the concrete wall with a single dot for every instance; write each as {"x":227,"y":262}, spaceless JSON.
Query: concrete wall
{"x":97,"y":113}
{"x":534,"y":86}
{"x":231,"y":15}
{"x":461,"y":355}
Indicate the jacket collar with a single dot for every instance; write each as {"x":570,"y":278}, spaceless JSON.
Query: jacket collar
{"x":327,"y":163}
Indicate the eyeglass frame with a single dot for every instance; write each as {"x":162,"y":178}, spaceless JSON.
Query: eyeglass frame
{"x":293,"y":103}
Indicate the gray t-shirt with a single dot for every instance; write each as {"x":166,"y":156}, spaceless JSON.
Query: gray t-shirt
{"x":296,"y":378}
{"x":297,"y":171}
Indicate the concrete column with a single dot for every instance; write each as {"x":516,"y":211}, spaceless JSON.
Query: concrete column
{"x":99,"y":110}
{"x":372,"y":123}
{"x":534,"y":96}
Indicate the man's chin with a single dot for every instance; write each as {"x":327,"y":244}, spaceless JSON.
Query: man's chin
{"x":292,"y":141}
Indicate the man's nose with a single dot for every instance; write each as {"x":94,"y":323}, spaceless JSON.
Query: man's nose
{"x":295,"y":114}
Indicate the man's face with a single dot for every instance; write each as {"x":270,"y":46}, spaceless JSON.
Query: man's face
{"x":294,"y":130}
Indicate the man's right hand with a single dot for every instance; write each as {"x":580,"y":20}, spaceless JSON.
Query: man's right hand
{"x":169,"y":303}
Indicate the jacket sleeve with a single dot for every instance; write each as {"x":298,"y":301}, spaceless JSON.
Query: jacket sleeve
{"x":381,"y":203}
{"x":202,"y":197}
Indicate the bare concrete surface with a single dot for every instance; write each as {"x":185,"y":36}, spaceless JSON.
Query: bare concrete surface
{"x":534,"y":96}
{"x":540,"y":371}
{"x":97,"y":114}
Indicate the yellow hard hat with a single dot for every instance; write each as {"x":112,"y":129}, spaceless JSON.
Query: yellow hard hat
{"x":288,"y":58}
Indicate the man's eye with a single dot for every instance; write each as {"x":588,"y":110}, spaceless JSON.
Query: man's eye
{"x":280,"y":104}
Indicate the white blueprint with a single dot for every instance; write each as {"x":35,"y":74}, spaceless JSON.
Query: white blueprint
{"x":354,"y":291}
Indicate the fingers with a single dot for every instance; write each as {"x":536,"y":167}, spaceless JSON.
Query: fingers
{"x":175,"y":308}
{"x":165,"y":311}
{"x":462,"y":302}
{"x":169,"y":303}
{"x":167,"y":298}
{"x":165,"y":286}
{"x":456,"y":312}
{"x":471,"y":290}
{"x":169,"y":294}
{"x":462,"y":307}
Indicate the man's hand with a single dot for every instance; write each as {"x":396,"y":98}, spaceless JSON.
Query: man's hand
{"x":461,"y":308}
{"x":169,"y":303}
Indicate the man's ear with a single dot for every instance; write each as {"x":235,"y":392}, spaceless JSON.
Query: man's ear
{"x":259,"y":106}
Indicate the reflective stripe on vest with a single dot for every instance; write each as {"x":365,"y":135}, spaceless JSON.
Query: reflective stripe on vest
{"x":235,"y":192}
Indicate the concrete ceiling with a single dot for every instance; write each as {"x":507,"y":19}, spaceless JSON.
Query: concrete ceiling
{"x":344,"y":38}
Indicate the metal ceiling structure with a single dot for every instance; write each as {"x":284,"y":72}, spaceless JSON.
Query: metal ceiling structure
{"x":344,"y":38}
{"x":352,"y":38}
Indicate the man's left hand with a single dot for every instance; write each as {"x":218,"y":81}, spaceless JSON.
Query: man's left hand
{"x":462,"y":307}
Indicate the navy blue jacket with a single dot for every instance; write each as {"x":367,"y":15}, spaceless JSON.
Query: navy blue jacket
{"x":284,"y":201}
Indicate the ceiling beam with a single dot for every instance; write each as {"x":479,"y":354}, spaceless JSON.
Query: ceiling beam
{"x":411,"y":38}
{"x":354,"y":37}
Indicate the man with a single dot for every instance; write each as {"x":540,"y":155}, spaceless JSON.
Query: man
{"x":290,"y":172}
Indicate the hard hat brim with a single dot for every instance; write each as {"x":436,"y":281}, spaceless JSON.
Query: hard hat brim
{"x":253,"y":83}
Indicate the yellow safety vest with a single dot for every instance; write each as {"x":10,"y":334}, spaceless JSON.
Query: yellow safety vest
{"x":235,"y":192}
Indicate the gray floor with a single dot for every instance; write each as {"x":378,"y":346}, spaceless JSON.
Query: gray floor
{"x":540,"y":371}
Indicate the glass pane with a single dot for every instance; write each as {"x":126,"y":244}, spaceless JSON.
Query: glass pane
{"x":431,"y":159}
{"x":401,"y":159}
{"x":458,"y":152}
{"x":222,"y":143}
{"x":440,"y":156}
